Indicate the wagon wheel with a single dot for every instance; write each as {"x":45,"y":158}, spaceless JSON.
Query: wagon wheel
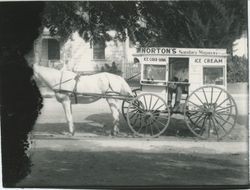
{"x":125,"y":103}
{"x":210,"y":112}
{"x":148,"y":115}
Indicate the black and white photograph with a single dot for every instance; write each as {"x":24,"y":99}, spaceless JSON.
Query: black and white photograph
{"x":124,"y":94}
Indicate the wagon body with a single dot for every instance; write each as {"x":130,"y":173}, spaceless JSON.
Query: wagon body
{"x":208,"y":109}
{"x":204,"y":67}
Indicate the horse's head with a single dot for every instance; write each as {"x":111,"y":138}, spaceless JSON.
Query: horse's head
{"x":35,"y":73}
{"x":53,"y":78}
{"x":49,"y":76}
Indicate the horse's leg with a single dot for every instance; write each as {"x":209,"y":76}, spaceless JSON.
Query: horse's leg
{"x":113,"y":104}
{"x":68,"y":113}
{"x":65,"y":101}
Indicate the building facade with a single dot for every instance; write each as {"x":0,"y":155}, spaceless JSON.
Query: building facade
{"x":80,"y":56}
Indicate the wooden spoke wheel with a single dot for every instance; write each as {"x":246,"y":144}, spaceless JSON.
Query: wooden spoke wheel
{"x":210,"y":112}
{"x":148,"y":115}
{"x":125,"y":103}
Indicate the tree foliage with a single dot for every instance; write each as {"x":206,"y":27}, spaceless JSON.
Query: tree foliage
{"x":237,"y":69}
{"x":200,"y":24}
{"x":21,"y":100}
{"x":214,"y":24}
{"x":92,"y":19}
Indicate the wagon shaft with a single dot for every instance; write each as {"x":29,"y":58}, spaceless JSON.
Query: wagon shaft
{"x":114,"y":95}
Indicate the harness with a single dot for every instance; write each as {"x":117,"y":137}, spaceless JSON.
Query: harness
{"x":77,"y":78}
{"x":74,"y":92}
{"x":109,"y":92}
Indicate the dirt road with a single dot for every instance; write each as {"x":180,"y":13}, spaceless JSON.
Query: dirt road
{"x":92,"y":162}
{"x":94,"y":159}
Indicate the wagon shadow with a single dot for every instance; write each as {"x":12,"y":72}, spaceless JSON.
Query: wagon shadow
{"x":101,"y":125}
{"x":177,"y":127}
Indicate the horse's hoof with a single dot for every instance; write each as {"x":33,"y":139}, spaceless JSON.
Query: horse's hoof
{"x":69,"y":134}
{"x":114,"y":133}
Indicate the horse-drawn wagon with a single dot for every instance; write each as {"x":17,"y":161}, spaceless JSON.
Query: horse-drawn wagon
{"x":190,"y":82}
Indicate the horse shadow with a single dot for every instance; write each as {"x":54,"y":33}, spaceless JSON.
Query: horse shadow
{"x":102,"y":125}
{"x":93,"y":125}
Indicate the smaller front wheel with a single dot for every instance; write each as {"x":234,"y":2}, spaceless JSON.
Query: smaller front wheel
{"x":148,"y":115}
{"x":125,"y":103}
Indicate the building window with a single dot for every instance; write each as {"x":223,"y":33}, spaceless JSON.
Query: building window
{"x":213,"y":75}
{"x":99,"y":50}
{"x":53,"y":49}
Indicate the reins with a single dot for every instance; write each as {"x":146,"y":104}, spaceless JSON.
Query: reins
{"x":76,"y":78}
{"x":62,"y":83}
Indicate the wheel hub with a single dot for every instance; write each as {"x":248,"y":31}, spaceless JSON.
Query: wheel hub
{"x":209,"y":111}
{"x":148,"y":115}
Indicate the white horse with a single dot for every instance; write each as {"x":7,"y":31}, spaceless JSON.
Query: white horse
{"x":65,"y":82}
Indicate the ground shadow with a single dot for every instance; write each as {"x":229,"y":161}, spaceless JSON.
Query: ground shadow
{"x":101,"y":125}
{"x":242,"y":120}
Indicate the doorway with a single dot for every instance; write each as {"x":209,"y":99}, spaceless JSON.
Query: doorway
{"x":178,"y":69}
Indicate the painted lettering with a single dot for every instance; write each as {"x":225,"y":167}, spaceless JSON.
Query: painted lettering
{"x":143,"y":50}
{"x":154,"y":50}
{"x":152,"y":59}
{"x":182,"y":51}
{"x":212,"y":60}
{"x":197,"y":60}
{"x":162,"y":59}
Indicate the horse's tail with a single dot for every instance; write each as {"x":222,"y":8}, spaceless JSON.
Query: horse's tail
{"x":118,"y":84}
{"x":126,"y":90}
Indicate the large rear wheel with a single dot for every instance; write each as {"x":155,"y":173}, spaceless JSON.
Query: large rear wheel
{"x":210,"y":112}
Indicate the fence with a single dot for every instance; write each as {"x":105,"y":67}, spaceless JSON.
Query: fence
{"x":132,"y":74}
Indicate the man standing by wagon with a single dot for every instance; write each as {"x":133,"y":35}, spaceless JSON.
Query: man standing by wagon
{"x":174,"y":86}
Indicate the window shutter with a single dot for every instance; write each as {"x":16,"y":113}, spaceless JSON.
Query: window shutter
{"x":53,"y":49}
{"x":99,"y":50}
